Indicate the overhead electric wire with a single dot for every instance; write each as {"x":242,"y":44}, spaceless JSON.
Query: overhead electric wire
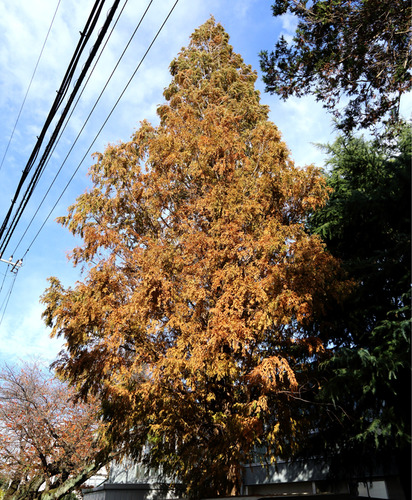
{"x":101,"y":128}
{"x":90,"y":113}
{"x":88,"y":29}
{"x":85,"y":35}
{"x":40,"y":168}
{"x":3,"y":280}
{"x":28,"y":88}
{"x":55,"y":135}
{"x":95,"y":138}
{"x":6,"y":300}
{"x":61,"y":93}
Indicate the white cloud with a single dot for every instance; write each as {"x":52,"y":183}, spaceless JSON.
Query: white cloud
{"x":406,"y":106}
{"x":26,"y":336}
{"x":289,"y":23}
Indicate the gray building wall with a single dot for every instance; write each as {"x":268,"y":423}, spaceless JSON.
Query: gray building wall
{"x":127,"y":492}
{"x":132,"y":481}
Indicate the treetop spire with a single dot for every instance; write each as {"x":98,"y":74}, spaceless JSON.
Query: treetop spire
{"x":209,"y":73}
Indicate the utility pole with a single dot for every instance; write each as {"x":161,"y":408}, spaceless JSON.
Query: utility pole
{"x":15,"y":265}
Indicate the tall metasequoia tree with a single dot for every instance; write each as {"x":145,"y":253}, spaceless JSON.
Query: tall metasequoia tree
{"x":190,"y":323}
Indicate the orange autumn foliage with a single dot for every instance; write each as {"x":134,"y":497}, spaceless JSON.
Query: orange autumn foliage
{"x":201,"y":278}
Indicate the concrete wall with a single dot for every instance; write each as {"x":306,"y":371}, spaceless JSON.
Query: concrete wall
{"x":283,"y":472}
{"x":126,"y":492}
{"x":132,"y":481}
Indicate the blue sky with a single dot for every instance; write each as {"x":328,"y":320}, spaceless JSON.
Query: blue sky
{"x":23,"y":28}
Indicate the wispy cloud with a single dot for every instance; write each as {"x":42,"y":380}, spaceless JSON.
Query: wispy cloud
{"x":24,"y":336}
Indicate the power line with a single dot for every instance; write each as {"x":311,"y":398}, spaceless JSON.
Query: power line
{"x":84,"y":36}
{"x":101,"y":128}
{"x":61,"y":93}
{"x":98,"y":133}
{"x":88,"y":117}
{"x":40,"y":168}
{"x":31,"y":81}
{"x":118,"y":100}
{"x":3,"y":280}
{"x":7,"y":298}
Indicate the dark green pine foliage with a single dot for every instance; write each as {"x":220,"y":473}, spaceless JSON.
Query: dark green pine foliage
{"x":352,"y":55}
{"x":367,"y":224}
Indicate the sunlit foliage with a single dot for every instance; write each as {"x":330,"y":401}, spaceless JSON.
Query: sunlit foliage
{"x":200,"y":278}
